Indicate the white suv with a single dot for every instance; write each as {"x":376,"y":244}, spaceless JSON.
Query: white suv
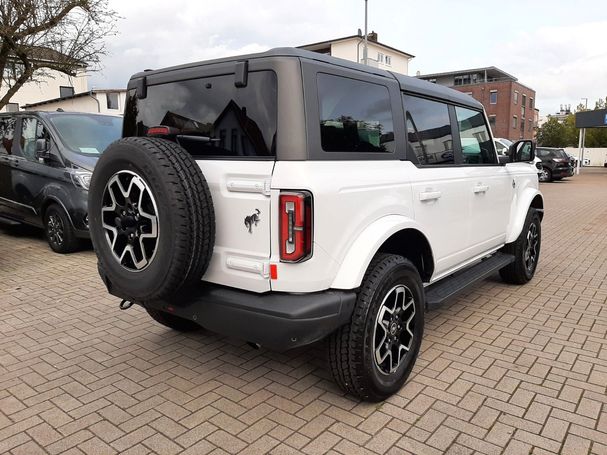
{"x":289,"y":196}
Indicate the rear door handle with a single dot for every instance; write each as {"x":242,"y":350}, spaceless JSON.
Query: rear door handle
{"x":429,"y":195}
{"x":481,"y":188}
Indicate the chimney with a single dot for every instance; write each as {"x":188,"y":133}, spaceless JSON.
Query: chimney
{"x":372,"y":37}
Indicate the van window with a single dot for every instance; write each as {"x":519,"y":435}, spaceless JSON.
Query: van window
{"x":477,"y":146}
{"x":429,"y":131}
{"x":238,"y":122}
{"x":32,"y":129}
{"x":7,"y":131}
{"x":355,"y":116}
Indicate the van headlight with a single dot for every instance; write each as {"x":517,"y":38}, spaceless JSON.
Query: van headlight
{"x":82,"y":179}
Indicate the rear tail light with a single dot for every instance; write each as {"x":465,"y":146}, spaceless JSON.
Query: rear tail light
{"x":295,"y":226}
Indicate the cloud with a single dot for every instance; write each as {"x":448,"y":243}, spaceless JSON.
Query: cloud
{"x":562,"y":63}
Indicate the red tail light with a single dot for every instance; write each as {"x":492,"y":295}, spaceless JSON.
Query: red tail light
{"x":161,"y":130}
{"x":295,"y":226}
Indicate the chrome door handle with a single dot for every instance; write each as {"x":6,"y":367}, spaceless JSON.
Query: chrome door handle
{"x":481,"y":188}
{"x":429,"y":195}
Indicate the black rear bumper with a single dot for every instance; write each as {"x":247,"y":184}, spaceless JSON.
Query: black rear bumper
{"x":277,"y":320}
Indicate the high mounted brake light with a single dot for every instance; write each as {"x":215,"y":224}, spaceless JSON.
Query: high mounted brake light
{"x":161,"y":130}
{"x":295,"y":226}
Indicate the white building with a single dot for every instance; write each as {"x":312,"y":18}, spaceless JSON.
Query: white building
{"x":53,"y":85}
{"x":351,"y":48}
{"x":106,"y":101}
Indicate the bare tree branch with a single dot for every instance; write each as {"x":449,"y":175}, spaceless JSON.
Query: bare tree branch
{"x":61,"y":35}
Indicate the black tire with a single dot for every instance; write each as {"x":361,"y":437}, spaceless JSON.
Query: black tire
{"x":548,"y":175}
{"x":522,"y":269}
{"x":185,"y":218}
{"x":351,"y":349}
{"x":173,"y":322}
{"x":59,"y":231}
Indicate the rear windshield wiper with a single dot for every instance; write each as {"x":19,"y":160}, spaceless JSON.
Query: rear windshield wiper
{"x":192,"y":137}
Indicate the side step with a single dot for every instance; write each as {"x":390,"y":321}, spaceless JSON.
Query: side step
{"x":8,"y":221}
{"x":447,"y":288}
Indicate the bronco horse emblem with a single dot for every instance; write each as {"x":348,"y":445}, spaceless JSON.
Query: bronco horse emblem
{"x":252,"y":220}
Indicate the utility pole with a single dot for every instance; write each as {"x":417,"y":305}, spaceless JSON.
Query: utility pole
{"x":366,"y":42}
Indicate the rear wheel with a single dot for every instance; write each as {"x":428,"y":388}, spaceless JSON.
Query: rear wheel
{"x":545,"y":175}
{"x":171,"y":321}
{"x":372,"y":356}
{"x":59,"y":231}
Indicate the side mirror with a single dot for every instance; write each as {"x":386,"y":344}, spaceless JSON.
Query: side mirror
{"x":42,"y":149}
{"x":522,"y":151}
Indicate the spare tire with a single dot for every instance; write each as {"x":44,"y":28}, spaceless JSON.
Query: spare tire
{"x":151,"y":219}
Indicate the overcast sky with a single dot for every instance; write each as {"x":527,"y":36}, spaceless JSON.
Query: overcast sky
{"x":557,"y":48}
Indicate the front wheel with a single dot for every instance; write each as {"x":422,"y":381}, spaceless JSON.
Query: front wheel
{"x":526,"y":251}
{"x":59,"y":231}
{"x":372,"y":356}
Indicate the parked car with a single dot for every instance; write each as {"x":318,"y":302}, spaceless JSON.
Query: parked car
{"x":502,"y":146}
{"x":556,"y":164}
{"x":256,"y":197}
{"x":46,"y":160}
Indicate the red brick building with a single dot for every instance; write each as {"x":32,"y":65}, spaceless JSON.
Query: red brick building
{"x":510,"y":105}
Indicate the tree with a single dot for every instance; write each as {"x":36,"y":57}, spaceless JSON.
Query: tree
{"x":551,"y":133}
{"x":41,"y":35}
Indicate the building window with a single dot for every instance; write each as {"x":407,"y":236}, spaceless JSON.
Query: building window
{"x":493,"y":97}
{"x":380,"y":57}
{"x":515,"y":97}
{"x":464,"y":79}
{"x":523,"y":110}
{"x":514,"y":121}
{"x":66,"y":91}
{"x":492,"y":120}
{"x":524,"y":103}
{"x":112,"y":100}
{"x":12,"y":107}
{"x":530,"y":103}
{"x":388,"y":60}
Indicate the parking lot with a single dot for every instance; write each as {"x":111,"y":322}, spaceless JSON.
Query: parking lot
{"x":503,"y":369}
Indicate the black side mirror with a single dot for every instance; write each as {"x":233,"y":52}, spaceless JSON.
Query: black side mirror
{"x":42,"y":149}
{"x":522,"y":151}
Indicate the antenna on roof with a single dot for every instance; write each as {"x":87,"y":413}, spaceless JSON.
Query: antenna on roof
{"x":360,"y":32}
{"x":60,"y":110}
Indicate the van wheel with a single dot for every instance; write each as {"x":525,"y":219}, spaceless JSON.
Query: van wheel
{"x":171,"y":321}
{"x":372,"y":356}
{"x":526,"y":251}
{"x":59,"y":231}
{"x":151,"y":219}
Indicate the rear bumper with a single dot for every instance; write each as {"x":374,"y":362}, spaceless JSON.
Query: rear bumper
{"x":276,"y":320}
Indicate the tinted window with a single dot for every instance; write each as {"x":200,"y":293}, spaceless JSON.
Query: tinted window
{"x":355,"y":116}
{"x":429,"y":130}
{"x":87,"y":134}
{"x":477,"y":146}
{"x":7,"y":130}
{"x":31,"y":130}
{"x":232,"y":121}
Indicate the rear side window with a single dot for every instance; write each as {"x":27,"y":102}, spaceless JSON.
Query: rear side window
{"x":238,"y":121}
{"x":7,"y":132}
{"x":477,"y":146}
{"x":429,"y":130}
{"x":355,"y":116}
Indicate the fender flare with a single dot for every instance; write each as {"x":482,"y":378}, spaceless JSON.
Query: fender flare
{"x":363,"y":249}
{"x":524,"y":202}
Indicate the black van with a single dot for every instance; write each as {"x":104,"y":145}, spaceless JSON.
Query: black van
{"x":46,"y":161}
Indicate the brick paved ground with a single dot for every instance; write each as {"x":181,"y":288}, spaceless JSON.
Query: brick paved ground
{"x":504,"y":369}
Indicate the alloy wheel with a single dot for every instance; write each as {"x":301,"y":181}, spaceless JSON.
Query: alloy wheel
{"x":531,"y":247}
{"x":130,"y":220}
{"x":54,"y":229}
{"x":394,"y":329}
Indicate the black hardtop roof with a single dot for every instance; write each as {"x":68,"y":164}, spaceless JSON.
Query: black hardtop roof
{"x":407,"y":83}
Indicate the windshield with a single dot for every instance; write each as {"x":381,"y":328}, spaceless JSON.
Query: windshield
{"x":87,"y":134}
